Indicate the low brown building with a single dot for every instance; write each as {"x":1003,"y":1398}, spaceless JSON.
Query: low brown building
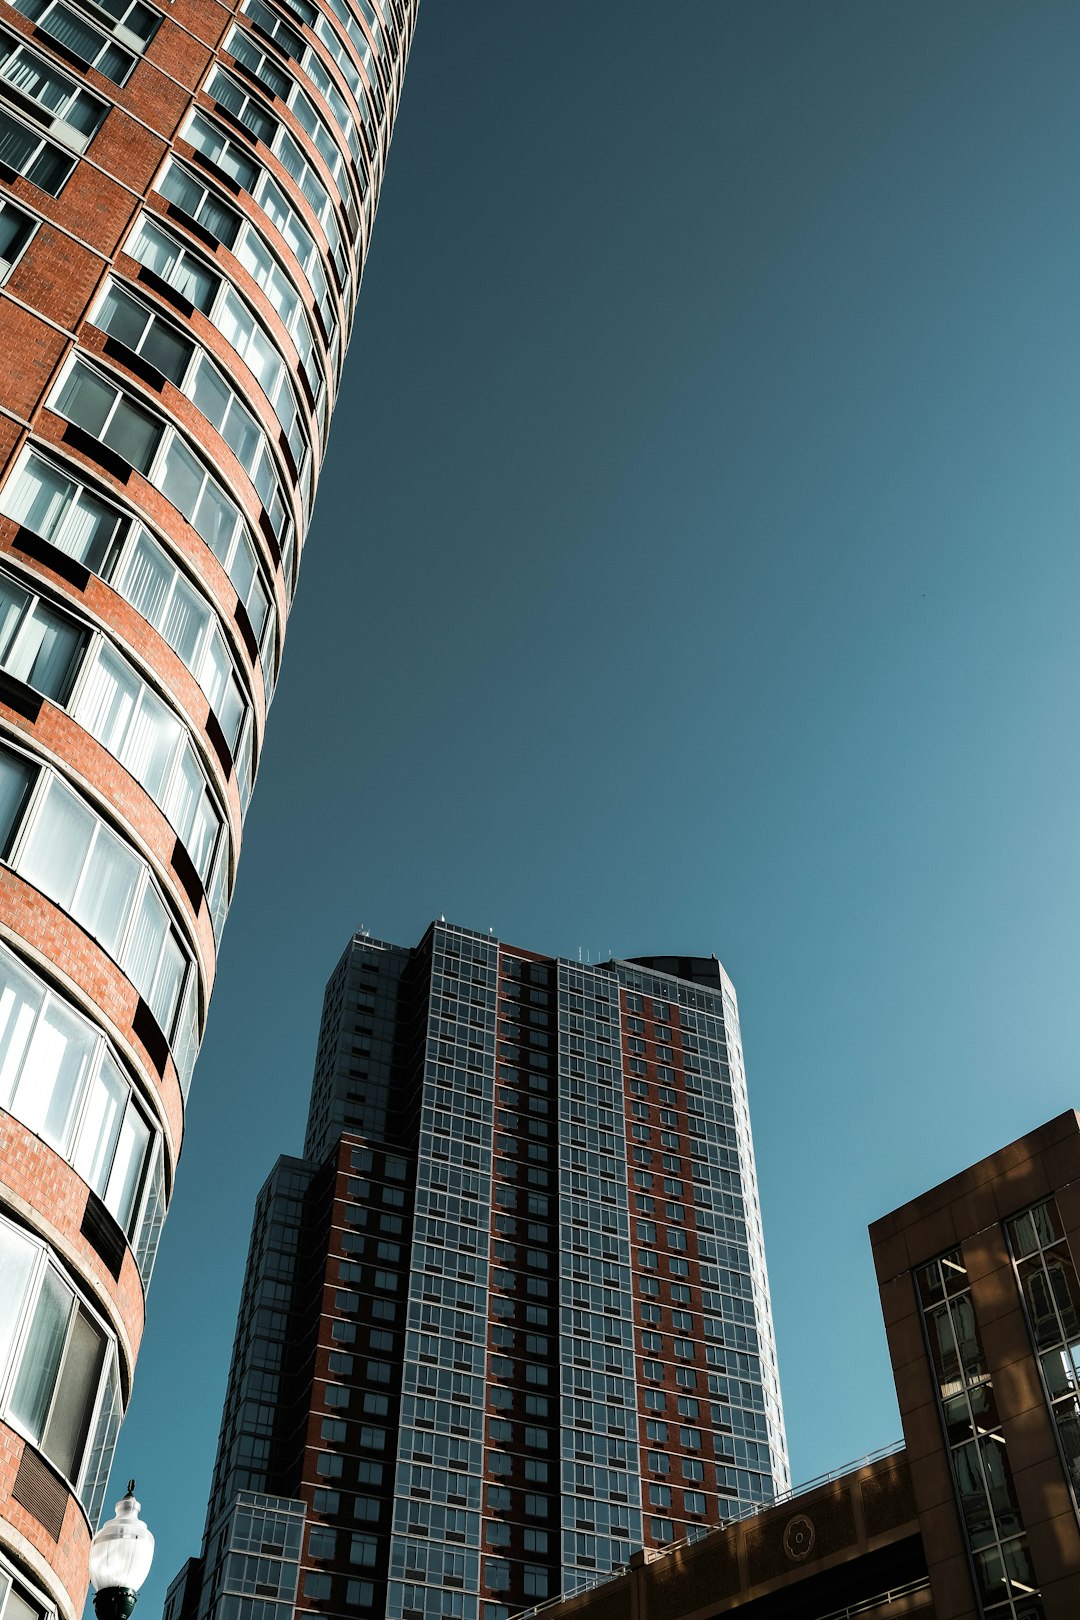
{"x":975,"y":1516}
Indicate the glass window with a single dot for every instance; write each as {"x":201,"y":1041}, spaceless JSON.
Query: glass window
{"x":70,"y":111}
{"x":86,"y":398}
{"x":57,"y":1362}
{"x":37,"y":644}
{"x":196,"y":199}
{"x":32,"y":156}
{"x":16,"y":229}
{"x":535,"y":1580}
{"x":157,"y":340}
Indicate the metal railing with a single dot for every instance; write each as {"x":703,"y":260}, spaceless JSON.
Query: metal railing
{"x":589,"y":1583}
{"x":879,"y":1600}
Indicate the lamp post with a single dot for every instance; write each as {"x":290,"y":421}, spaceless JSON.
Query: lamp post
{"x":120,"y":1557}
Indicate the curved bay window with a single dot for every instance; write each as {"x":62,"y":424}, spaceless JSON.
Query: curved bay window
{"x":59,"y":1377}
{"x":61,"y":1079}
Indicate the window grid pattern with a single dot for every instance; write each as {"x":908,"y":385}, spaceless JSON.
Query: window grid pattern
{"x":601,"y":1485}
{"x":990,"y":1517}
{"x":155,"y":448}
{"x":694,"y":1182}
{"x":102,"y":537}
{"x":434,"y":1549}
{"x":1051,"y":1293}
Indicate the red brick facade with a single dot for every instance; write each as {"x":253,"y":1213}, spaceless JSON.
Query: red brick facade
{"x":70,"y":239}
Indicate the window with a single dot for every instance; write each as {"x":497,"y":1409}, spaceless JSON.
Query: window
{"x":498,"y":1499}
{"x":68,"y":853}
{"x":535,"y":1583}
{"x":37,"y":645}
{"x":660,"y":1530}
{"x":316,"y":1585}
{"x":199,"y":203}
{"x":322,"y":1541}
{"x":360,"y":1594}
{"x":16,"y":229}
{"x":90,"y":45}
{"x":363,"y":1550}
{"x":160,"y":251}
{"x":655,"y":1400}
{"x":693,"y":1469}
{"x":155,"y":339}
{"x":59,"y":1382}
{"x":660,"y":1496}
{"x":70,"y":113}
{"x":64,"y":512}
{"x":366,"y":1509}
{"x":656,"y":1432}
{"x":138,"y":729}
{"x":231,"y":158}
{"x":658,"y":1462}
{"x":142,"y":439}
{"x":497,"y":1575}
{"x":537,"y":1507}
{"x":105,"y":411}
{"x":535,"y":1471}
{"x":498,"y":1535}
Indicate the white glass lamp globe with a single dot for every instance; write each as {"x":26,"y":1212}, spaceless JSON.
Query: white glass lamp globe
{"x":123,"y":1549}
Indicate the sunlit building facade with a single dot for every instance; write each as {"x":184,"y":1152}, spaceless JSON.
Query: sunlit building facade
{"x":187,"y":192}
{"x":508,"y":1318}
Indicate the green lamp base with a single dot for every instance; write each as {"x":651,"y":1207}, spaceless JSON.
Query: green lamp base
{"x":115,"y":1603}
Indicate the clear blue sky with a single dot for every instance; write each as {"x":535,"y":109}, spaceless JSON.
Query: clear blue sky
{"x":695,"y":570}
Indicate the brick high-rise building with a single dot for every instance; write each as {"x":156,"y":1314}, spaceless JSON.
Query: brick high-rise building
{"x":508,"y":1318}
{"x":187,"y":190}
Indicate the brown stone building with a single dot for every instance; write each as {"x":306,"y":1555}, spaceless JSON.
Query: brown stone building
{"x":975,"y":1516}
{"x":187,"y":191}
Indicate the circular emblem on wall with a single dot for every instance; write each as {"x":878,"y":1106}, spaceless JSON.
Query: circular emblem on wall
{"x":799,"y":1537}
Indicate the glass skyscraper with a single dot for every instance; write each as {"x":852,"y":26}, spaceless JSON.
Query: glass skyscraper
{"x":508,"y":1318}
